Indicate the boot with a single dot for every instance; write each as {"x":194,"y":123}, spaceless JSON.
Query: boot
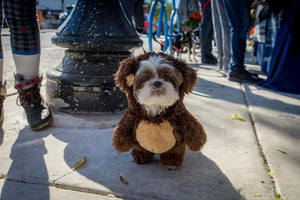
{"x":38,"y":115}
{"x":2,"y":97}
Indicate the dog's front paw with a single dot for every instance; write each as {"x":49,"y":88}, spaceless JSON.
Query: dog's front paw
{"x":170,"y":167}
{"x":141,"y":157}
{"x":171,"y":161}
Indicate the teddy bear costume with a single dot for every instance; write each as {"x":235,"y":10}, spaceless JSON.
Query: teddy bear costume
{"x":167,"y":133}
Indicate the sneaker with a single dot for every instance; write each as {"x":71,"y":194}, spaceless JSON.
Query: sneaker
{"x":38,"y":115}
{"x":2,"y":98}
{"x":244,"y":77}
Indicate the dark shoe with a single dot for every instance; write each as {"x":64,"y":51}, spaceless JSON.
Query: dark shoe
{"x":243,"y":77}
{"x":2,"y":98}
{"x":209,"y":59}
{"x":213,"y":58}
{"x":38,"y":115}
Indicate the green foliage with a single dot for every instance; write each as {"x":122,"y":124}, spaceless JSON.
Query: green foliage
{"x":169,"y":8}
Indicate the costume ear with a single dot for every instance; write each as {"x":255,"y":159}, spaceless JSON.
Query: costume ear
{"x":125,"y":74}
{"x":189,"y":75}
{"x":190,"y":79}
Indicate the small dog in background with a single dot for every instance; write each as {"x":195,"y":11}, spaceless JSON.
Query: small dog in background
{"x":186,"y":39}
{"x":156,"y":121}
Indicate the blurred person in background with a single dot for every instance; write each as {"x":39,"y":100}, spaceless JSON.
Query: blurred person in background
{"x":238,"y":15}
{"x":221,"y":33}
{"x":206,"y":33}
{"x":134,"y":10}
{"x":283,"y":66}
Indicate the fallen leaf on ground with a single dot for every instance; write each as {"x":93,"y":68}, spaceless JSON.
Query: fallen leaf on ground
{"x":79,"y":163}
{"x":277,"y":197}
{"x":237,"y":116}
{"x":123,"y":180}
{"x":271,"y":174}
{"x":281,"y":151}
{"x":257,"y":195}
{"x":112,"y":195}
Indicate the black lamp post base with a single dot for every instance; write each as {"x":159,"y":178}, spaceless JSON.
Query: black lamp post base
{"x":84,"y":83}
{"x":98,"y":36}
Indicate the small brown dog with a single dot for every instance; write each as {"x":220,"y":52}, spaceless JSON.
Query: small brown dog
{"x":157,"y":120}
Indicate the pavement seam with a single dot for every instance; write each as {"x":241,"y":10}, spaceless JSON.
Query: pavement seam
{"x":63,"y":186}
{"x":261,"y":151}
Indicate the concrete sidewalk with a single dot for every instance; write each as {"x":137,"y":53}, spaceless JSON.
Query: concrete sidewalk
{"x":234,"y":164}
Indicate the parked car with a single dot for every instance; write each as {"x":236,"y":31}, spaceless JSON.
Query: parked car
{"x":63,"y":15}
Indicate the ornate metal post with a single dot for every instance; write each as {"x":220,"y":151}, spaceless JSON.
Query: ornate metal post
{"x":97,"y":36}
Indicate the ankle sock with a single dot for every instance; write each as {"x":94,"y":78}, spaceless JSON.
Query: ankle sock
{"x":27,"y":65}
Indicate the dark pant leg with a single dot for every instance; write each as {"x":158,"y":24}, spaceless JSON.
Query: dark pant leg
{"x":237,"y":12}
{"x":1,"y":18}
{"x":139,"y":14}
{"x":22,"y":21}
{"x":206,"y":29}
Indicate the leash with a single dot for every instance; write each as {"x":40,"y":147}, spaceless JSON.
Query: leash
{"x":144,"y":49}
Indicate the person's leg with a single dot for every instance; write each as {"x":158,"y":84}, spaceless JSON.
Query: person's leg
{"x":1,"y":50}
{"x":206,"y":33}
{"x":139,"y":15}
{"x":239,"y":20}
{"x":237,"y":12}
{"x":205,"y":25}
{"x":2,"y":83}
{"x":217,"y":31}
{"x":128,"y":6}
{"x":25,"y":37}
{"x":225,"y":34}
{"x":25,"y":44}
{"x":210,"y":37}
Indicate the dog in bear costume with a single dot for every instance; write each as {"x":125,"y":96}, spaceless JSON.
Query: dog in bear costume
{"x":156,"y":121}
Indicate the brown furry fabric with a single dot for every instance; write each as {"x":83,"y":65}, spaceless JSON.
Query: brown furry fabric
{"x":186,"y":128}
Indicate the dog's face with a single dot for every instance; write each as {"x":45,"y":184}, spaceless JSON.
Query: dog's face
{"x":155,"y":80}
{"x":156,"y":84}
{"x":186,"y":38}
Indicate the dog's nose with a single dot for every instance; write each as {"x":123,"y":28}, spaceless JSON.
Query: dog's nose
{"x":157,"y":84}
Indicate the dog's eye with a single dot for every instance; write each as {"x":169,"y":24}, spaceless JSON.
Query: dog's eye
{"x":167,"y":79}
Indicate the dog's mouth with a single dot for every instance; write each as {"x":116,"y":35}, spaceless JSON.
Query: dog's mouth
{"x":158,"y":92}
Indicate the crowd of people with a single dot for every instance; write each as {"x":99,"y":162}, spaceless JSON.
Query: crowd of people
{"x":228,"y":24}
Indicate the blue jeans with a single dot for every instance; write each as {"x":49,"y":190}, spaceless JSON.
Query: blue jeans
{"x":221,"y":32}
{"x":206,"y":30}
{"x":238,"y":15}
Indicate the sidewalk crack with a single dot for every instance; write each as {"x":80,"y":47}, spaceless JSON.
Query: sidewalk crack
{"x":260,"y":148}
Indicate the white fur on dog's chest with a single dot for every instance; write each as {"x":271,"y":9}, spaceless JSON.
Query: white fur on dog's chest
{"x":156,"y":138}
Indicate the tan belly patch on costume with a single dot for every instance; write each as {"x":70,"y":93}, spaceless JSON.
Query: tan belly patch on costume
{"x":157,"y":138}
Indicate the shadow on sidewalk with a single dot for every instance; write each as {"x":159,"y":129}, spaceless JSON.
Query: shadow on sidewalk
{"x":199,"y":177}
{"x":217,"y":90}
{"x":28,"y":166}
{"x":1,"y":136}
